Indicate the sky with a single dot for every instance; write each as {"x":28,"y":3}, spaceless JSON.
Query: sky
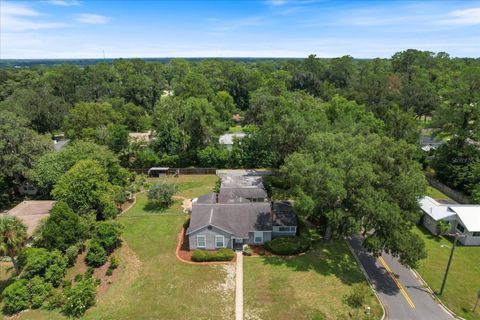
{"x":56,"y":29}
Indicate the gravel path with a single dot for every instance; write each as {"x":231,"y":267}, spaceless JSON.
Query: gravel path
{"x":239,"y":287}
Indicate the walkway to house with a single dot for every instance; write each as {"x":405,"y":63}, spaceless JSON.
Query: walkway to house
{"x":239,"y":287}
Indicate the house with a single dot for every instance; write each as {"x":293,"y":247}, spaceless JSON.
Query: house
{"x":227,"y":139}
{"x":463,"y":218}
{"x":58,"y":144}
{"x":429,"y":142}
{"x":239,"y":214}
{"x":31,"y":213}
{"x":27,"y":189}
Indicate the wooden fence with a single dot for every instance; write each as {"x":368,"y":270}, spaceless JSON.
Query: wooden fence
{"x":453,"y":194}
{"x":181,"y":171}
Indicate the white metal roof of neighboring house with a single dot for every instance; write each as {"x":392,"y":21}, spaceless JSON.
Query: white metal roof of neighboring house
{"x":469,"y":215}
{"x":229,"y":137}
{"x":435,"y":209}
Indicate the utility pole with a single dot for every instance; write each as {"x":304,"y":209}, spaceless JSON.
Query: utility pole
{"x":456,"y":236}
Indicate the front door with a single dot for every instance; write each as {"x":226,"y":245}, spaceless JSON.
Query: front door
{"x":238,"y":244}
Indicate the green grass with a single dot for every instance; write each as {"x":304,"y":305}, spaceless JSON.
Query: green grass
{"x":190,"y":186}
{"x":304,"y":287}
{"x":436,"y":194}
{"x":463,"y":280}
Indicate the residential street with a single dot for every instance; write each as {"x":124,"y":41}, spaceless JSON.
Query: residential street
{"x":401,"y":293}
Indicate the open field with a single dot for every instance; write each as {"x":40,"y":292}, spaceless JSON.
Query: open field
{"x":464,"y":277}
{"x":312,"y":286}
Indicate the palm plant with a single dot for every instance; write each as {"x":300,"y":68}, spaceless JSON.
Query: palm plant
{"x":13,"y":236}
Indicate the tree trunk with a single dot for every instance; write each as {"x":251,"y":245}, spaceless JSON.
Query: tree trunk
{"x":15,"y":265}
{"x":328,"y":233}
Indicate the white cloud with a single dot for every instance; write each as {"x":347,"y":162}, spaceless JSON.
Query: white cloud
{"x":64,"y":3}
{"x":276,"y":2}
{"x":90,"y":18}
{"x":464,"y":17}
{"x":19,"y":17}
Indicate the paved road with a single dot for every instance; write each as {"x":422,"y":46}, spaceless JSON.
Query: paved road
{"x":401,"y":293}
{"x":239,"y":287}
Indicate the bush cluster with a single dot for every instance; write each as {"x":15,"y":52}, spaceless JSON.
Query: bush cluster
{"x":96,"y":255}
{"x":106,"y":238}
{"x":49,"y":265}
{"x":79,"y":297}
{"x":358,"y":296}
{"x":288,"y":245}
{"x":220,"y":255}
{"x":114,"y":263}
{"x":160,"y":194}
{"x":24,"y":294}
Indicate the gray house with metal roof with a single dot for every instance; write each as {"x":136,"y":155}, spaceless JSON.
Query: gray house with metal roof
{"x":239,"y":214}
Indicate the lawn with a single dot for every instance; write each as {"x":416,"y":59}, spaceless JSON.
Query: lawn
{"x":436,"y":194}
{"x":153,"y":284}
{"x":464,"y":277}
{"x":312,"y":286}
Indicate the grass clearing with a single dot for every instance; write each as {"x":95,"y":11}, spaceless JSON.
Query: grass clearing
{"x":463,"y":280}
{"x":311,"y":286}
{"x":436,"y":194}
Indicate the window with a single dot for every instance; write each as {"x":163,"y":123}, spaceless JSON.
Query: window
{"x":201,"y":242}
{"x":460,"y":227}
{"x":219,"y":242}
{"x":258,"y":237}
{"x":285,"y":229}
{"x":476,"y":234}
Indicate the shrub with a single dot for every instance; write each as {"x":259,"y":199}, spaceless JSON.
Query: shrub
{"x":186,"y":223}
{"x":114,"y":262}
{"x":160,"y":194}
{"x":39,"y":291}
{"x":358,"y":296}
{"x":55,"y":301}
{"x":89,"y":272}
{"x":220,"y":255}
{"x":96,"y":255}
{"x":79,"y":298}
{"x":107,"y":234}
{"x":247,"y":251}
{"x":50,"y":265}
{"x":72,"y":252}
{"x":16,"y":297}
{"x":78,"y":277}
{"x":288,"y":245}
{"x":62,"y":229}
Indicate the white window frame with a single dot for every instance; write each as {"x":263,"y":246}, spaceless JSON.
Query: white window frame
{"x":223,"y":241}
{"x":256,"y":234}
{"x":204,"y":241}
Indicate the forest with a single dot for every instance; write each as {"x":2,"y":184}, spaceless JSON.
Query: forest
{"x":343,"y":133}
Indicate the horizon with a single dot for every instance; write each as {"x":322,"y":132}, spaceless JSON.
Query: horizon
{"x":85,"y":29}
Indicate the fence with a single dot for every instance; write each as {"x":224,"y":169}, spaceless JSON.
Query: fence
{"x":181,"y":171}
{"x":454,"y":194}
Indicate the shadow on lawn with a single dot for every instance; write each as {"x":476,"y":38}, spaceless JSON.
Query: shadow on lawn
{"x":427,"y":234}
{"x":326,"y":259}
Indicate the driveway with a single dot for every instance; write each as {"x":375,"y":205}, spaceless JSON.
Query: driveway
{"x":401,"y":293}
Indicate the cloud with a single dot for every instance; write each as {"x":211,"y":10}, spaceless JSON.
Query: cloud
{"x":276,"y":2}
{"x":19,"y":17}
{"x":64,"y":3}
{"x":463,"y":17}
{"x":90,"y":18}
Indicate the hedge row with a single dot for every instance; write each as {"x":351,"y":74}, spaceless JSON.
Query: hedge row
{"x":220,"y":255}
{"x":288,"y":245}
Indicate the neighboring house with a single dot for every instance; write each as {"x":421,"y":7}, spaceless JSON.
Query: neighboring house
{"x":228,"y":139}
{"x":429,"y":142}
{"x":59,"y":144}
{"x":140,"y":137}
{"x":239,"y":214}
{"x":463,"y":218}
{"x":31,"y":213}
{"x":27,"y":189}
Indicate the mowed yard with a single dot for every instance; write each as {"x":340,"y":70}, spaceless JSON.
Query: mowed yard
{"x":311,"y":286}
{"x":463,"y":280}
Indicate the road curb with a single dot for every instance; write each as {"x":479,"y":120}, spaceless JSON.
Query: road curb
{"x":368,"y":278}
{"x":434,"y":296}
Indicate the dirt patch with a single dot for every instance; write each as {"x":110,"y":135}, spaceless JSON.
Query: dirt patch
{"x":186,"y":203}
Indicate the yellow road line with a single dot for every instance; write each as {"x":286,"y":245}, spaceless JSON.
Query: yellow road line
{"x":402,"y":290}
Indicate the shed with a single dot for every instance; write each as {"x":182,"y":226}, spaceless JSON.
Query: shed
{"x":157,"y":171}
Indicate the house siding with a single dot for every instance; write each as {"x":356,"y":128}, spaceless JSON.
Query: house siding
{"x":430,"y":224}
{"x":209,"y":237}
{"x":469,"y":239}
{"x":267,"y":236}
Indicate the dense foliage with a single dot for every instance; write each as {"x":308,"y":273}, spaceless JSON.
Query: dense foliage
{"x":160,"y":194}
{"x":218,"y":255}
{"x":288,"y":245}
{"x":343,"y":132}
